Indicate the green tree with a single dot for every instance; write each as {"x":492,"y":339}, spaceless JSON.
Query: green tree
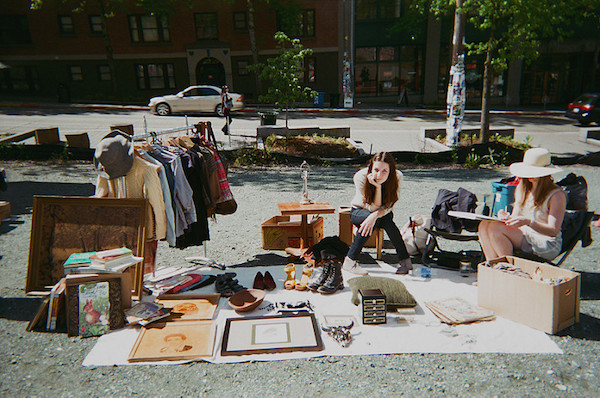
{"x":514,"y":29}
{"x":107,"y":9}
{"x":283,"y":71}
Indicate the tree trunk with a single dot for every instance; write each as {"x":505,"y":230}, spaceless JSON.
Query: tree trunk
{"x":484,"y":133}
{"x":108,"y":47}
{"x":252,"y":36}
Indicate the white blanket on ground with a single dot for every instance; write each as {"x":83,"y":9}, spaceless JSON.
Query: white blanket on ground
{"x":420,"y":332}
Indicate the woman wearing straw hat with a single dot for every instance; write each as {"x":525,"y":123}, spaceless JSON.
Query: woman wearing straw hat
{"x":535,"y":222}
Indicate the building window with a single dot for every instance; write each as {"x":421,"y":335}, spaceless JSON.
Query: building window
{"x":206,"y":26}
{"x":104,"y":73}
{"x":300,"y":25}
{"x":382,"y":9}
{"x":95,"y":24}
{"x":385,"y":71}
{"x":366,"y":9}
{"x":240,"y":21}
{"x":14,"y":30}
{"x":149,"y":29}
{"x":65,"y":24}
{"x":20,"y":78}
{"x":153,"y":76}
{"x":242,"y":68}
{"x":76,"y":73}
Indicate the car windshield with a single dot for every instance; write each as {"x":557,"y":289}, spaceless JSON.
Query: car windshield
{"x":586,"y":99}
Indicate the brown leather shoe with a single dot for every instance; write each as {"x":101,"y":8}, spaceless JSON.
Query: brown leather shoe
{"x":259,"y":281}
{"x":268,"y":281}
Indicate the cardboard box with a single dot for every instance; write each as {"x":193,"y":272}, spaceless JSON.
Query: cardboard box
{"x":540,"y":305}
{"x":4,"y":210}
{"x":279,"y":232}
{"x":345,"y":228}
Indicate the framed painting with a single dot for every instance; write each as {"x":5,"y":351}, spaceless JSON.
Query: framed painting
{"x":190,"y":307}
{"x":174,"y":341}
{"x":63,"y":225}
{"x":271,"y":334}
{"x":94,"y":306}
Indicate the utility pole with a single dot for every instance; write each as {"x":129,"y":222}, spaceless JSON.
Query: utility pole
{"x":456,"y":96}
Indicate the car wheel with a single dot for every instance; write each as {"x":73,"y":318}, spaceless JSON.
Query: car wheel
{"x":219,"y":110}
{"x":163,"y":109}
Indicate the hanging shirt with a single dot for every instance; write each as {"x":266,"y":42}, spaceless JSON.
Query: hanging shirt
{"x":141,"y":181}
{"x":166,"y":196}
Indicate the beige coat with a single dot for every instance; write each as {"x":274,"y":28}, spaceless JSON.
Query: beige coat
{"x":141,"y":181}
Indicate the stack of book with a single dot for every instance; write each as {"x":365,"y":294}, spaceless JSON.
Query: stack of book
{"x":145,"y":312}
{"x":457,"y":310}
{"x":106,"y":261}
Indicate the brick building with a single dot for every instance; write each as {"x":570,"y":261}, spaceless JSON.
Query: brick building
{"x":55,"y":53}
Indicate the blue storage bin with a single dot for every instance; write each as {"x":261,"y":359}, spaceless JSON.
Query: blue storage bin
{"x":504,"y":197}
{"x":319,"y":99}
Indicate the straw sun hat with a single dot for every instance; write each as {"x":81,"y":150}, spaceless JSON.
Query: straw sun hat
{"x":536,"y":163}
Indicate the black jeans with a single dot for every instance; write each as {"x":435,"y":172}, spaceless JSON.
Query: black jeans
{"x":228,"y":119}
{"x":357,"y":216}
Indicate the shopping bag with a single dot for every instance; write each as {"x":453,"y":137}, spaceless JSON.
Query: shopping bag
{"x":414,"y":234}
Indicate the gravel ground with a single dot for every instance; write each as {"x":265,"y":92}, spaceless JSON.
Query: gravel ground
{"x":44,"y":364}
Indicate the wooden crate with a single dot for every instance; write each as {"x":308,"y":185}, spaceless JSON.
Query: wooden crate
{"x":279,"y":232}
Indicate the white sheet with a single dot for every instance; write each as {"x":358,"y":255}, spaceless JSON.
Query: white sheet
{"x":418,"y":333}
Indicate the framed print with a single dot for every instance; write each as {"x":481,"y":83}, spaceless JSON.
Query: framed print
{"x":270,"y":334}
{"x":189,"y":307}
{"x":174,"y":341}
{"x":94,"y":305}
{"x":64,"y":225}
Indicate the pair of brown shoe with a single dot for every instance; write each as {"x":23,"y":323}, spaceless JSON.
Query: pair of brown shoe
{"x":265,"y":282}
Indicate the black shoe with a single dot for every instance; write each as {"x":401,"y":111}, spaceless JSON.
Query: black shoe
{"x":320,"y":280}
{"x":334,"y":281}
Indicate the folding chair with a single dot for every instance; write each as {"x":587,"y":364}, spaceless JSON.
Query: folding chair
{"x":575,"y":228}
{"x":435,"y":256}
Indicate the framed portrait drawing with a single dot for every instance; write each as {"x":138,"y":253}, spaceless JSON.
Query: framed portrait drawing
{"x":270,"y":334}
{"x":174,"y":341}
{"x":190,"y":307}
{"x":63,"y":225}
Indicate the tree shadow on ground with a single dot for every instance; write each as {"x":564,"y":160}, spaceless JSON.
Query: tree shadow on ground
{"x":19,"y":308}
{"x":20,"y":194}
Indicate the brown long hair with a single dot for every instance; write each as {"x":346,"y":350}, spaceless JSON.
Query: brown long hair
{"x":545,"y":186}
{"x":389,"y":189}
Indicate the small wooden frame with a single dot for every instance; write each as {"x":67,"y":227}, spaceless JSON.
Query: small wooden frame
{"x":174,"y":341}
{"x":189,"y":307}
{"x":75,"y":317}
{"x":65,"y":225}
{"x":271,"y":334}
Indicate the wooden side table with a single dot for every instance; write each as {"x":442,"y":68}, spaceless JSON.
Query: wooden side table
{"x":296,"y":208}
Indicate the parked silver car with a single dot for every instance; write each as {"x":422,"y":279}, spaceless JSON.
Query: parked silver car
{"x":194,"y":99}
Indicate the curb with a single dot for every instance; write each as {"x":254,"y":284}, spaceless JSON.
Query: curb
{"x":303,"y":110}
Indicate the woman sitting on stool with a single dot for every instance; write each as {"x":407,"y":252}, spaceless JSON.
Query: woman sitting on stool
{"x":377,"y":188}
{"x":535,"y":222}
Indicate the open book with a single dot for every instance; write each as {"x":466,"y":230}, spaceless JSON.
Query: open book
{"x":472,"y":216}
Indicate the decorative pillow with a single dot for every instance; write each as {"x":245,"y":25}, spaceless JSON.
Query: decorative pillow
{"x":394,"y":291}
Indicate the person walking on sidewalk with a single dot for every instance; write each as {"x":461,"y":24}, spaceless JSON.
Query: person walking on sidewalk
{"x":226,"y":105}
{"x":377,"y":189}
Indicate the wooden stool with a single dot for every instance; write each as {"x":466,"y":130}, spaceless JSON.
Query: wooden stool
{"x":377,"y":235}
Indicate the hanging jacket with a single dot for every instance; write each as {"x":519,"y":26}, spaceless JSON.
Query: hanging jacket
{"x":461,"y":200}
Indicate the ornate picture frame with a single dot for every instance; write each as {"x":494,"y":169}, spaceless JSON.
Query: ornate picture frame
{"x":64,"y":225}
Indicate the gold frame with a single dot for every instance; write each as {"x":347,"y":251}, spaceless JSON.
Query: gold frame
{"x":196,"y":340}
{"x":62,"y":225}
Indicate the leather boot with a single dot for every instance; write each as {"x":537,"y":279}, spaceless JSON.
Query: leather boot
{"x":334,"y":280}
{"x":318,"y":282}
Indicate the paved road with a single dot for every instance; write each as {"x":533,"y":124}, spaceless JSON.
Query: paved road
{"x":377,"y":129}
